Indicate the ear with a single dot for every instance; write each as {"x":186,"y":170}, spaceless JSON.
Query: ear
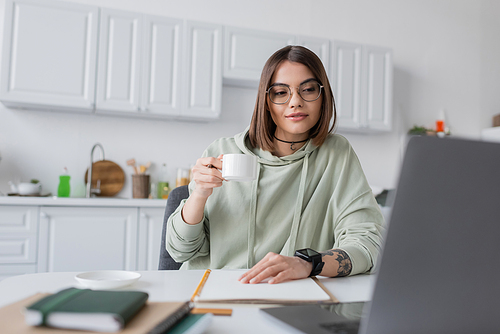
{"x":266,"y":104}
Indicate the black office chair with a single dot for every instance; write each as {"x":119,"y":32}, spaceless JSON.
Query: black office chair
{"x":174,"y":199}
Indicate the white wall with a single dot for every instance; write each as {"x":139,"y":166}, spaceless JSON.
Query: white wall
{"x":445,"y":56}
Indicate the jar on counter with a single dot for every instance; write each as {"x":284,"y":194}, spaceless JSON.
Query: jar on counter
{"x":182,"y":177}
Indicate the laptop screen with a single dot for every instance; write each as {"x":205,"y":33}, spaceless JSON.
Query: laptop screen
{"x":439,"y":269}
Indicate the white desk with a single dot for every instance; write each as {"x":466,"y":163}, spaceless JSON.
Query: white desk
{"x":178,"y":286}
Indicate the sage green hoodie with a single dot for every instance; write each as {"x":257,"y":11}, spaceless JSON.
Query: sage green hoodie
{"x":317,"y":197}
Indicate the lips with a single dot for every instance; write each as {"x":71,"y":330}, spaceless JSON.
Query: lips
{"x":296,"y":116}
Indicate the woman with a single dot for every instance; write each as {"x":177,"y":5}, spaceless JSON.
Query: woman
{"x":310,"y":191}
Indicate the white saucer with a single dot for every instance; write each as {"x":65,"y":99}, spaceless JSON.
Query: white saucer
{"x":107,"y":279}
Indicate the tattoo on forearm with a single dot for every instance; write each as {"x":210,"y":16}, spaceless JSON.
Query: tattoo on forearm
{"x":345,"y":265}
{"x":328,"y":252}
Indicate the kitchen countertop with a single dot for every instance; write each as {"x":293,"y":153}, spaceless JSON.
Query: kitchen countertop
{"x":57,"y":201}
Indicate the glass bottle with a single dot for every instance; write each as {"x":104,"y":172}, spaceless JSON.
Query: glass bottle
{"x":163,"y":187}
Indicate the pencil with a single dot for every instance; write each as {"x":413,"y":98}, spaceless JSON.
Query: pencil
{"x":214,"y":311}
{"x":322,"y":286}
{"x":200,"y":285}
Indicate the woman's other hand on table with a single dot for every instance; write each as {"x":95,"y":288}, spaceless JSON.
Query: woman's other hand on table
{"x":277,"y":268}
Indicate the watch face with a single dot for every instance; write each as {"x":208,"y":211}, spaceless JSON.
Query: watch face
{"x":308,"y":252}
{"x":311,"y":252}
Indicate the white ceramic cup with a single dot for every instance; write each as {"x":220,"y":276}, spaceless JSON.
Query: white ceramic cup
{"x":239,"y":167}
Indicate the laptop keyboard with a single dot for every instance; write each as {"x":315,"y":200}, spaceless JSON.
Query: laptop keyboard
{"x":343,"y":327}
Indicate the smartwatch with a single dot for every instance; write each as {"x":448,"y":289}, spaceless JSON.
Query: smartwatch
{"x":309,"y":255}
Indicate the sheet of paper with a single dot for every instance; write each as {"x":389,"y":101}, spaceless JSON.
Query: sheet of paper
{"x":224,"y":285}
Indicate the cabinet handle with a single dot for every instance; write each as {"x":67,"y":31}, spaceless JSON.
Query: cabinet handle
{"x":44,"y":218}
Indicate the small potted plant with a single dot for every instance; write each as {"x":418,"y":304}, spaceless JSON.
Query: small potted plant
{"x":421,"y":131}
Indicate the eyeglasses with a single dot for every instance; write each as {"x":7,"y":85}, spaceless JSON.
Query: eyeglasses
{"x":309,"y":91}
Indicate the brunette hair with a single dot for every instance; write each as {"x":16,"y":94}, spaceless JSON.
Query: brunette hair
{"x":262,"y":126}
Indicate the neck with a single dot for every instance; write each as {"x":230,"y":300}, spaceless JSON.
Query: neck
{"x":286,"y":147}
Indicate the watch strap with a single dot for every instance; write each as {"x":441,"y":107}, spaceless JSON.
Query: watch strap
{"x":316,"y":260}
{"x":316,"y":270}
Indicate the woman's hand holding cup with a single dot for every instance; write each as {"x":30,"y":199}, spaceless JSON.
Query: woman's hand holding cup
{"x":207,"y":175}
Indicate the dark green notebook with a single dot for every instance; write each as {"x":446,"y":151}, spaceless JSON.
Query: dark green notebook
{"x":192,"y":324}
{"x":86,"y":309}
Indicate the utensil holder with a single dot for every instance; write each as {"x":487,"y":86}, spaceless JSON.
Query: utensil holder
{"x":140,"y":186}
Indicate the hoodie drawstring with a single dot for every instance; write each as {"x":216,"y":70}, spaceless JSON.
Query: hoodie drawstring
{"x":297,"y":215}
{"x":252,"y":221}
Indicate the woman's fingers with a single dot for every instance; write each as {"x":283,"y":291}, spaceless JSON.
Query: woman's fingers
{"x":206,"y":175}
{"x":268,"y":270}
{"x":211,"y":162}
{"x":277,"y":268}
{"x":267,"y":267}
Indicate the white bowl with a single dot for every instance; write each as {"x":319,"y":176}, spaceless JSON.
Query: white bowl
{"x":26,"y":188}
{"x":107,"y":279}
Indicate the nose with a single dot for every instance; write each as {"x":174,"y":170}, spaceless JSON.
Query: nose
{"x":295,"y":100}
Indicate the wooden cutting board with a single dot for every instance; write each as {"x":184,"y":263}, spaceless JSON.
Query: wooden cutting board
{"x":111,"y":175}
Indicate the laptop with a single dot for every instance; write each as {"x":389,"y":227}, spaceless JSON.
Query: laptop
{"x":440,"y":265}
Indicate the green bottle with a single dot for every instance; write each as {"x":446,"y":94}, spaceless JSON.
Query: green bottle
{"x":63,"y":190}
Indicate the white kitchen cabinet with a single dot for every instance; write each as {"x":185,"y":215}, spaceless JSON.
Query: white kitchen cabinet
{"x":78,"y":234}
{"x":360,"y":75}
{"x":246,"y":51}
{"x":145,"y":65}
{"x":139,"y":64}
{"x":361,"y":79}
{"x":49,"y":55}
{"x":18,"y":235}
{"x":377,"y":91}
{"x":150,"y":228}
{"x":161,"y":67}
{"x":86,"y":239}
{"x":152,"y":66}
{"x":18,"y":240}
{"x":345,"y":79}
{"x":119,"y":65}
{"x":202,"y":71}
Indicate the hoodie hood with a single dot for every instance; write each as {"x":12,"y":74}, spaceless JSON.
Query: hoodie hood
{"x":266,"y":157}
